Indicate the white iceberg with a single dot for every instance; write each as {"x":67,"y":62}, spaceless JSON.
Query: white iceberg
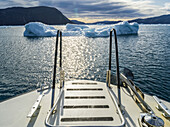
{"x":122,"y":28}
{"x":37,"y":29}
{"x":125,"y":28}
{"x":40,"y":29}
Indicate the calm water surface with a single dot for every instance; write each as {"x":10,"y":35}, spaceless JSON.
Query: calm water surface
{"x":24,"y":62}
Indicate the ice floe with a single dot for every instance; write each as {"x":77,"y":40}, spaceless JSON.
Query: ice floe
{"x":43,"y":30}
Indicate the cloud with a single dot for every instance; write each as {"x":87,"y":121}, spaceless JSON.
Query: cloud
{"x":14,"y":3}
{"x":25,"y":3}
{"x":167,"y":7}
{"x":97,"y":9}
{"x":149,"y":8}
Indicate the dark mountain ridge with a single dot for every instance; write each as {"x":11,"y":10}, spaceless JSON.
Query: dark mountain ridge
{"x":21,"y":16}
{"x":163,"y":19}
{"x":77,"y":22}
{"x":52,"y":16}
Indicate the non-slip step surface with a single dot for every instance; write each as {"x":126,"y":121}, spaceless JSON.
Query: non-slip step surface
{"x":87,"y":119}
{"x":85,"y":97}
{"x":87,"y":103}
{"x":85,"y":106}
{"x":81,"y":83}
{"x":85,"y":89}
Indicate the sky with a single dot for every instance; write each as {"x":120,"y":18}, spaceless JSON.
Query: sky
{"x":98,"y":10}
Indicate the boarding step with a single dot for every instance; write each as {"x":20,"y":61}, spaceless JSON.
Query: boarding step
{"x":86,"y":103}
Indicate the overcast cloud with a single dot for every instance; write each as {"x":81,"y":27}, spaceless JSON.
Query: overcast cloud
{"x":98,"y":9}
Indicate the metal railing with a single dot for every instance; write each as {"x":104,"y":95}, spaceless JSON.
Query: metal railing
{"x":53,"y":105}
{"x":55,"y":63}
{"x":117,"y":65}
{"x":53,"y":108}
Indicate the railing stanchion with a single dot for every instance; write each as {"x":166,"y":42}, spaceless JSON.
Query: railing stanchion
{"x":55,"y":64}
{"x":117,"y":63}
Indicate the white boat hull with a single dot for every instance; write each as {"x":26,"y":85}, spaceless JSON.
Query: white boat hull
{"x":13,"y":112}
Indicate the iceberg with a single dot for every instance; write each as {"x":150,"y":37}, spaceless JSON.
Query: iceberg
{"x":43,"y":30}
{"x":37,"y":29}
{"x":125,"y":28}
{"x":122,"y":28}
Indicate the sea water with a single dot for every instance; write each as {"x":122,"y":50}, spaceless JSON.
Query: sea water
{"x":26,"y":62}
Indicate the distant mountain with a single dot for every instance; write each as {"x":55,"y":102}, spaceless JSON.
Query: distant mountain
{"x":164,"y":19}
{"x":21,"y":16}
{"x":107,"y":22}
{"x":77,"y":22}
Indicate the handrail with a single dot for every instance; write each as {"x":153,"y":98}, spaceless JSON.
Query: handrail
{"x":52,"y":109}
{"x":117,"y":106}
{"x":55,"y":63}
{"x":117,"y":64}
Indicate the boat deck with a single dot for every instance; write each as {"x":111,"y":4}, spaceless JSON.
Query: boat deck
{"x":84,"y":102}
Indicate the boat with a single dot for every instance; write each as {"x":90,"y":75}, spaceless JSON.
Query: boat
{"x":118,"y":102}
